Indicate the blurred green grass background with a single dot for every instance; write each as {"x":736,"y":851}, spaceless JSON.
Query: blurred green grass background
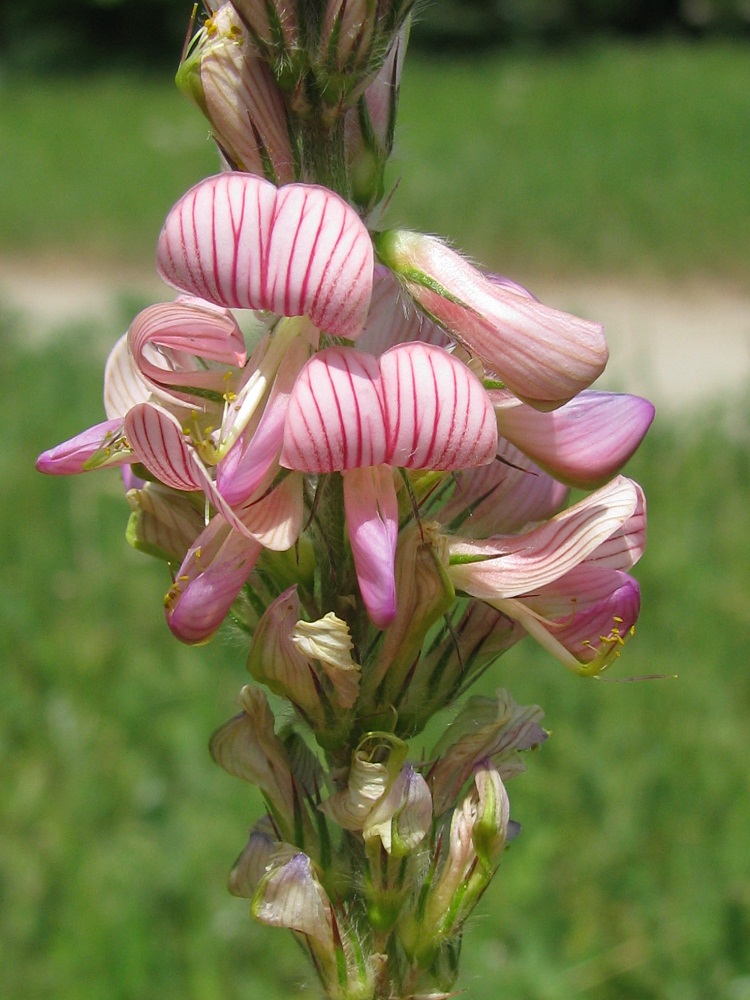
{"x":631,"y":878}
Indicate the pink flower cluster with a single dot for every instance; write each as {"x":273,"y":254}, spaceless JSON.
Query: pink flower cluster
{"x":379,"y":373}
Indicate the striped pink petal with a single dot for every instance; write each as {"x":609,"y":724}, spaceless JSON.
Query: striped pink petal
{"x":239,"y":241}
{"x":124,"y":386}
{"x":211,"y":576}
{"x":544,"y":356}
{"x":371,"y":512}
{"x":511,"y":565}
{"x":502,"y":497}
{"x":583,"y":443}
{"x":170,"y":340}
{"x":158,"y":443}
{"x":437,"y":413}
{"x":247,"y":462}
{"x":336,"y":418}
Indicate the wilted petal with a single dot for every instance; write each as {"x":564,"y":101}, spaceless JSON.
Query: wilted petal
{"x":100,"y":445}
{"x":238,"y":241}
{"x":402,"y":818}
{"x":371,"y":512}
{"x":207,"y":583}
{"x":375,"y":764}
{"x":290,"y":895}
{"x":437,"y":413}
{"x":584,"y":442}
{"x":485,"y":728}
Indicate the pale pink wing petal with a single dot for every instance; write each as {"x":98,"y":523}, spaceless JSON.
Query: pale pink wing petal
{"x":245,"y":465}
{"x":437,"y":414}
{"x":238,"y":241}
{"x":372,"y":522}
{"x":274,"y":518}
{"x":584,"y":442}
{"x":511,"y":565}
{"x":91,"y":449}
{"x":502,"y":497}
{"x":336,"y":418}
{"x":625,"y":546}
{"x":123,"y":384}
{"x":211,"y":576}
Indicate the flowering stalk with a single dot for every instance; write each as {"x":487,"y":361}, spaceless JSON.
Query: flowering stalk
{"x":367,"y":472}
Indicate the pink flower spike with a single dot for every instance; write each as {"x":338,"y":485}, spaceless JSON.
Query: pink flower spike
{"x":93,"y":448}
{"x":371,"y":512}
{"x":583,"y":443}
{"x":211,"y":576}
{"x":544,"y":356}
{"x":240,"y":242}
{"x":437,"y":413}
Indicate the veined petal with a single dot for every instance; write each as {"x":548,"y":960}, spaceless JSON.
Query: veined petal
{"x":584,"y":618}
{"x":584,"y":442}
{"x":544,"y":356}
{"x":211,"y":576}
{"x":394,"y":319}
{"x":371,"y":512}
{"x":93,"y":448}
{"x":245,"y":465}
{"x":503,"y":496}
{"x":336,"y":418}
{"x":124,"y":386}
{"x":169,"y":340}
{"x":511,"y":565}
{"x":156,"y":438}
{"x":239,"y":241}
{"x":437,"y":413}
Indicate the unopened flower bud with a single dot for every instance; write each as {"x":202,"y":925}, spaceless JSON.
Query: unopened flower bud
{"x":275,"y":31}
{"x":164,"y":522}
{"x":224,"y":75}
{"x":248,"y":748}
{"x":543,"y":356}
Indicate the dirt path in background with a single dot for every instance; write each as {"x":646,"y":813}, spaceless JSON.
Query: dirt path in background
{"x":679,"y":344}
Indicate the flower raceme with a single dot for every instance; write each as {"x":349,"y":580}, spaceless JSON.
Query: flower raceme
{"x":184,"y":401}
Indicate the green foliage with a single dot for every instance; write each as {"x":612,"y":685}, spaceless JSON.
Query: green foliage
{"x":613,"y":158}
{"x":629,"y":878}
